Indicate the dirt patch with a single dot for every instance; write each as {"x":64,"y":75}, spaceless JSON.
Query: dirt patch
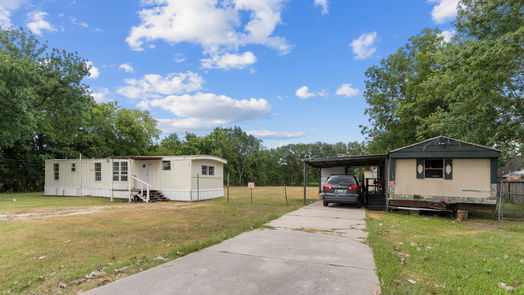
{"x":483,"y":225}
{"x":41,"y":213}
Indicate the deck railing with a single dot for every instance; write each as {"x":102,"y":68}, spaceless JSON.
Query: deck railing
{"x":142,"y":185}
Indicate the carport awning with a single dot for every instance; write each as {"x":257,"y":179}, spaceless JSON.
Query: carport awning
{"x":350,"y":161}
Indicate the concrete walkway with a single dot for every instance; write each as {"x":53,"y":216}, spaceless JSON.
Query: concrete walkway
{"x":313,"y":250}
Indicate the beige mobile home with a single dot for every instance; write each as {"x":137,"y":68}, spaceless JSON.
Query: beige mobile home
{"x":440,"y":173}
{"x":147,"y":178}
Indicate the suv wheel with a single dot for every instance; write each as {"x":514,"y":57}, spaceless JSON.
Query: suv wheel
{"x":325,"y":203}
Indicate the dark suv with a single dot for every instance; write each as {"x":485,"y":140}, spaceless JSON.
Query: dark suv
{"x":341,"y":189}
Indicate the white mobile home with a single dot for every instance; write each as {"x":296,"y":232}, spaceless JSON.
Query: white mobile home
{"x":180,"y":178}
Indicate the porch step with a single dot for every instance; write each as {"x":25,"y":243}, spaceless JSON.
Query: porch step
{"x":376,"y":202}
{"x":154,"y":196}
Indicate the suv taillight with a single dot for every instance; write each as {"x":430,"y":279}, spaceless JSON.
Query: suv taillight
{"x":327,"y":186}
{"x":354,"y":187}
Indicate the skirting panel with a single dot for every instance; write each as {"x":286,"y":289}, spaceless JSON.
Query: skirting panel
{"x":75,"y":191}
{"x":192,"y":195}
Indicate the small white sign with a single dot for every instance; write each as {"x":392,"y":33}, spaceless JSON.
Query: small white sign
{"x":251,"y":185}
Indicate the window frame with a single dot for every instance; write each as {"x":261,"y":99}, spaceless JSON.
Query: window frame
{"x":441,"y":169}
{"x":98,"y":171}
{"x":56,"y":171}
{"x":164,"y":167}
{"x":211,"y":170}
{"x":204,"y":170}
{"x":124,"y":172}
{"x":73,"y":167}
{"x":116,"y":171}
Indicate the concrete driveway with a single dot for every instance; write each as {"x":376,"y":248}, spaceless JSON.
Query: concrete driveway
{"x":313,"y":250}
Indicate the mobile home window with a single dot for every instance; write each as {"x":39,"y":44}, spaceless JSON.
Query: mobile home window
{"x":98,"y":171}
{"x":204,"y":170}
{"x":73,"y":167}
{"x":116,"y":171}
{"x":166,"y":165}
{"x":211,"y":170}
{"x":123,"y":171}
{"x":434,"y":168}
{"x":56,"y":170}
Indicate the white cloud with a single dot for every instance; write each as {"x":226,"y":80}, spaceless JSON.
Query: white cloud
{"x":155,"y":86}
{"x":101,"y":96}
{"x":127,"y":67}
{"x":179,"y":58}
{"x":324,"y":5}
{"x":304,"y":93}
{"x":444,"y":10}
{"x":347,"y":90}
{"x":204,"y":111}
{"x":447,"y":35}
{"x":6,"y":7}
{"x":363,"y":46}
{"x":37,"y":23}
{"x":267,"y":134}
{"x":93,"y":71}
{"x":75,"y":21}
{"x":217,"y":27}
{"x":229,"y":61}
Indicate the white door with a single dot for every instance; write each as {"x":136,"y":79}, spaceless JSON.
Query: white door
{"x":144,"y":173}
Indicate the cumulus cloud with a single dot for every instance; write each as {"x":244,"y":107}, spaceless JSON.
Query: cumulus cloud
{"x":267,"y":134}
{"x":444,"y":10}
{"x":363,"y":47}
{"x":93,"y":71}
{"x":101,"y":96}
{"x":447,"y":35}
{"x":6,"y":7}
{"x":347,"y":90}
{"x":304,"y":93}
{"x":37,"y":23}
{"x":127,"y":67}
{"x":208,"y":24}
{"x":229,"y":61}
{"x":155,"y":86}
{"x":324,"y":5}
{"x":204,"y":111}
{"x":219,"y":28}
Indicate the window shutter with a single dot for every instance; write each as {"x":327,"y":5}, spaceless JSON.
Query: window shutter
{"x":420,"y":168}
{"x":448,"y":169}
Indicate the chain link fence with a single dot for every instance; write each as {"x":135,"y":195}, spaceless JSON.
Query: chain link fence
{"x":510,"y":204}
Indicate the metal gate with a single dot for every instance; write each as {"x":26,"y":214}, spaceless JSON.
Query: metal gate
{"x":510,"y":203}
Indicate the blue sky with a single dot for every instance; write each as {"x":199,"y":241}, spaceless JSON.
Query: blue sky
{"x":286,"y":71}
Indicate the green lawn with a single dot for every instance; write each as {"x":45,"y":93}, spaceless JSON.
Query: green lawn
{"x":23,"y":201}
{"x":444,"y":257}
{"x":123,"y":238}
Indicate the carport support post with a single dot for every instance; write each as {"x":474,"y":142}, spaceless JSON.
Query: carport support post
{"x":305,"y":181}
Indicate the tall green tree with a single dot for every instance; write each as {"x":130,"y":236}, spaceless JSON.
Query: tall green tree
{"x":470,"y":88}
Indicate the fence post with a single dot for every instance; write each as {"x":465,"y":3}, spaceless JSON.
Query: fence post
{"x":285,"y":192}
{"x":251,"y":195}
{"x":228,"y":187}
{"x":501,"y":201}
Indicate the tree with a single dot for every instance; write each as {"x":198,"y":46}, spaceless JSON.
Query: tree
{"x":393,"y":91}
{"x":470,"y":88}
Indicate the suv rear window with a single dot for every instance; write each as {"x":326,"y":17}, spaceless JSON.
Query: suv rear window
{"x":342,"y":180}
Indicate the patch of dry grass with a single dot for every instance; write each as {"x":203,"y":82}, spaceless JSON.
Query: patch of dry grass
{"x":121,"y":239}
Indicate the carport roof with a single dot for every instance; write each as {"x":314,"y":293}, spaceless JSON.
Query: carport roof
{"x":349,"y":161}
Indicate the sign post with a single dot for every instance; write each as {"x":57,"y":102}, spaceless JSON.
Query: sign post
{"x":251,"y":186}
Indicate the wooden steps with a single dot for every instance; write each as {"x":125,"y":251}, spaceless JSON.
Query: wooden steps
{"x":376,"y":202}
{"x":154,"y":196}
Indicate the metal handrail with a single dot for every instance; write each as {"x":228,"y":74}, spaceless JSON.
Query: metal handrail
{"x":142,"y":183}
